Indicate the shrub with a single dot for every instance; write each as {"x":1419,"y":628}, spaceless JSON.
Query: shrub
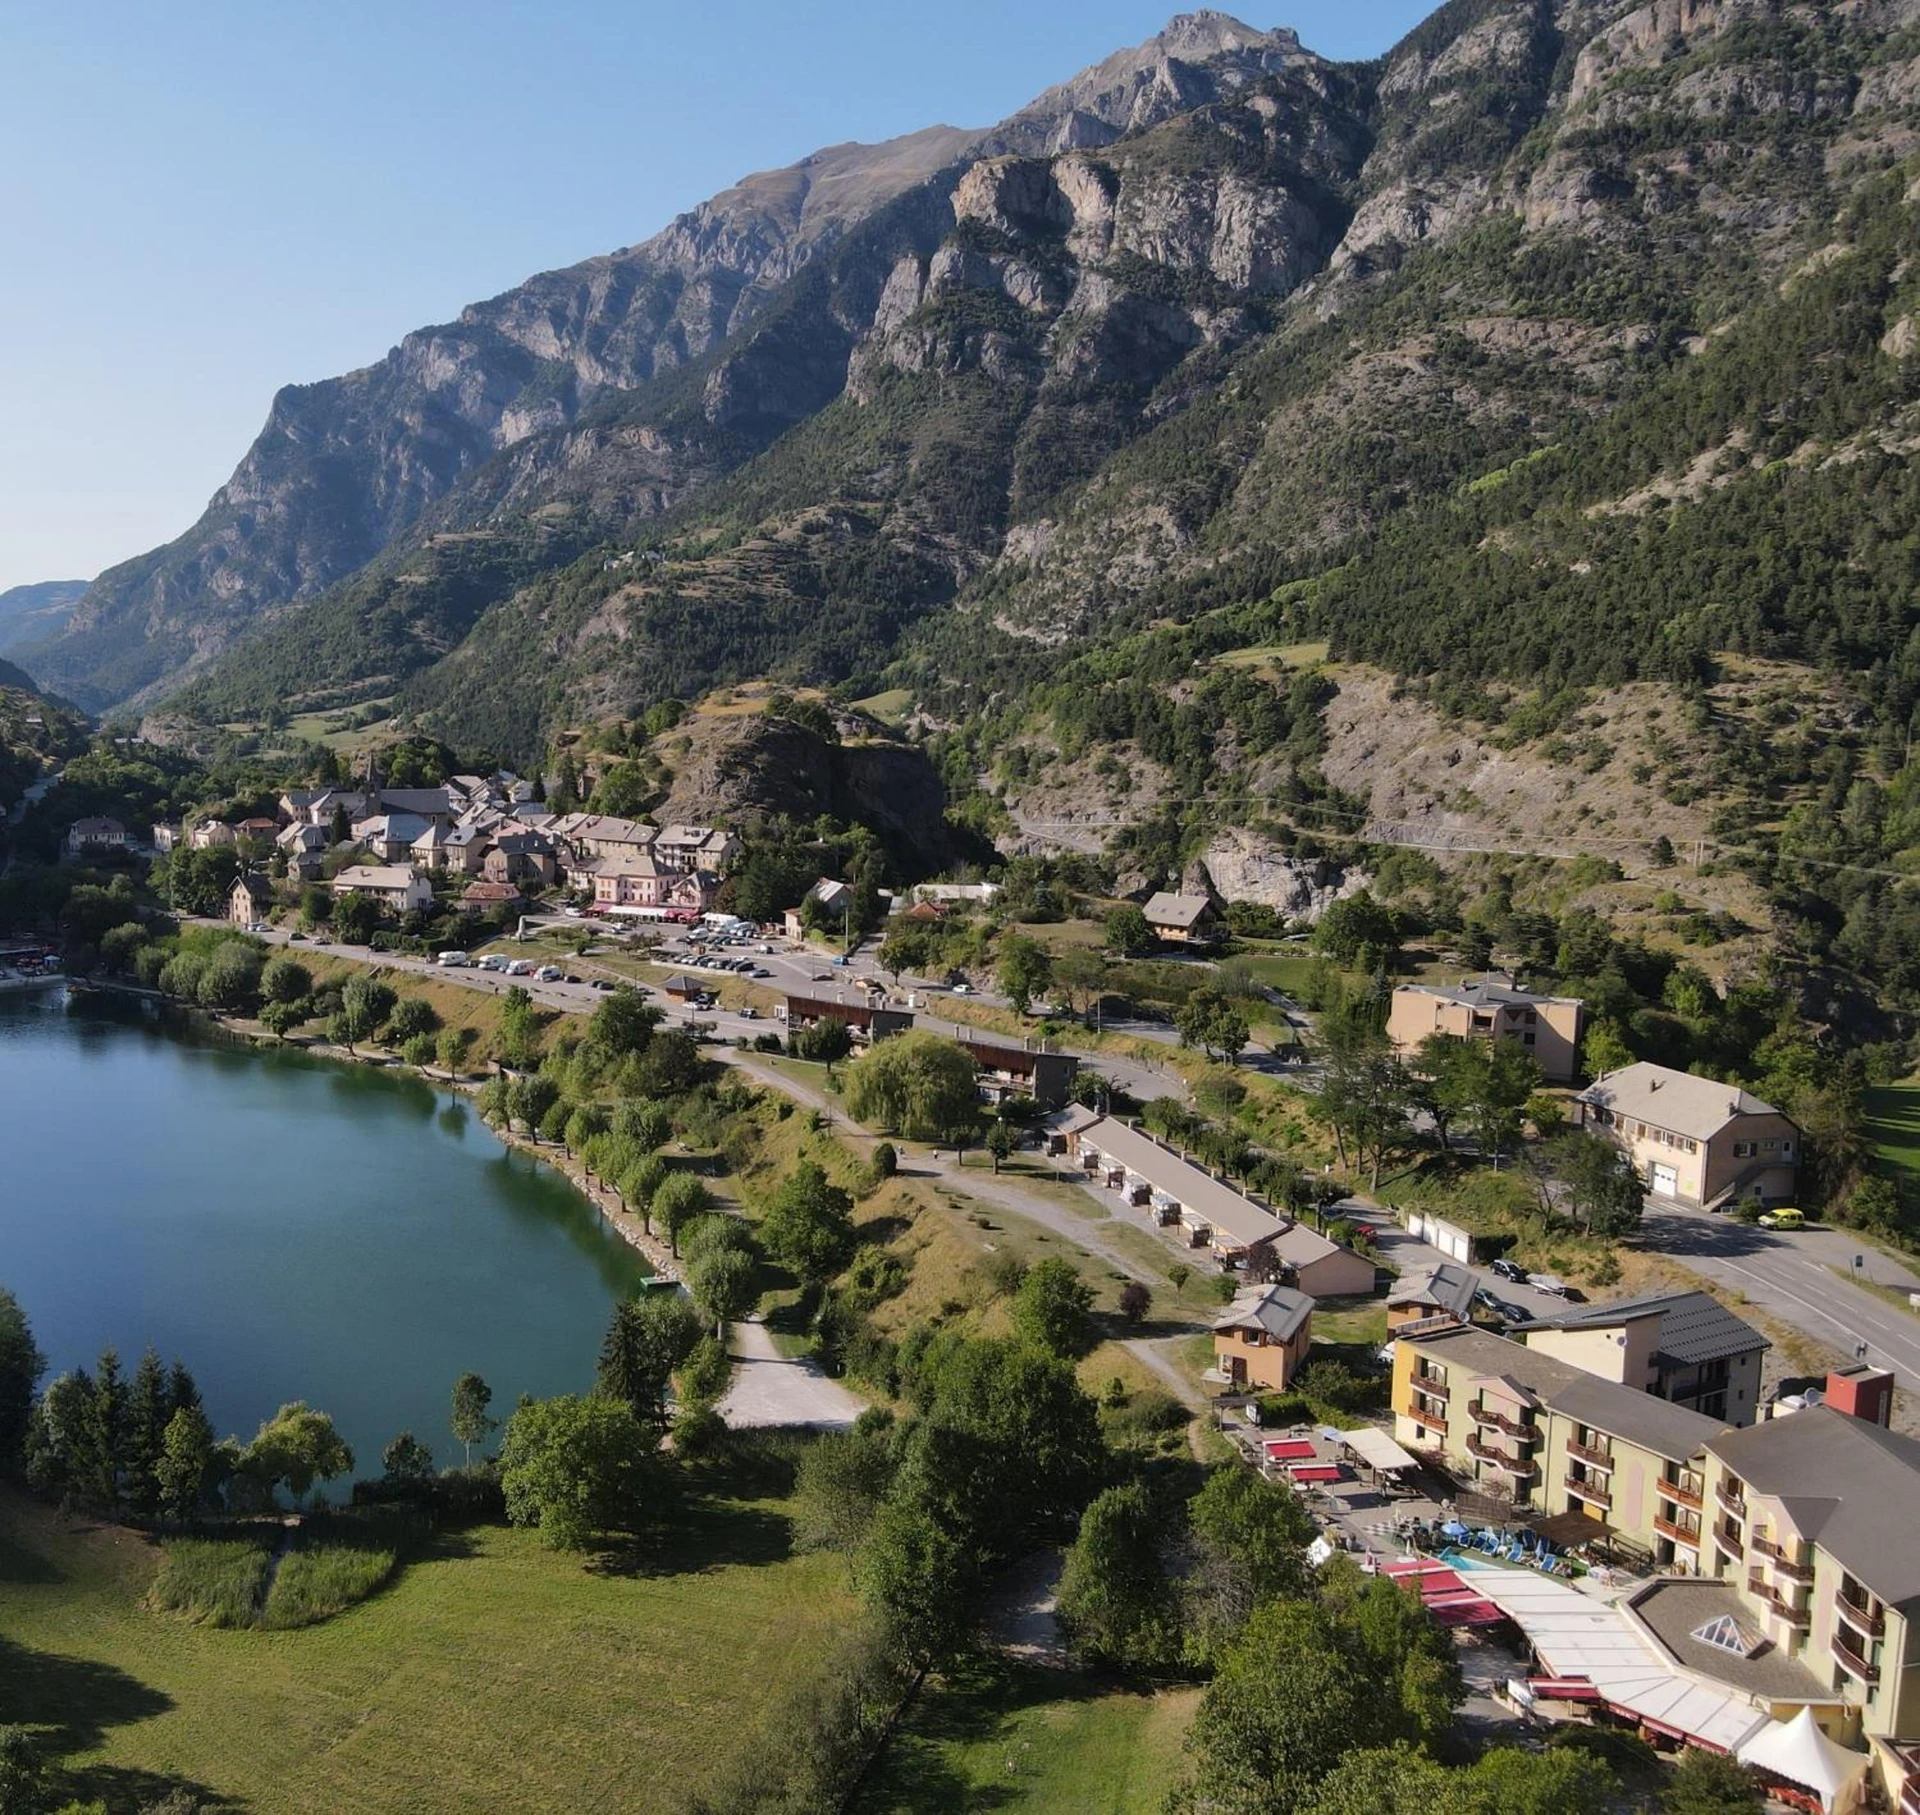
{"x":216,"y":1581}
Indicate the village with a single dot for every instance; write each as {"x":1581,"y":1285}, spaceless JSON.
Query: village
{"x":1605,"y":1501}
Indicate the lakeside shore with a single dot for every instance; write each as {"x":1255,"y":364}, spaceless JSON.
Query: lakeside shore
{"x":630,"y":1228}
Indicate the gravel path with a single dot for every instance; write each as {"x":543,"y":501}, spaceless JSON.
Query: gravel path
{"x":769,"y":1389}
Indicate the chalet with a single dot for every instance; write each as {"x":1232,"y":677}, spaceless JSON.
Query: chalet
{"x":259,"y":829}
{"x":98,"y":837}
{"x":250,"y":900}
{"x":1442,"y":1290}
{"x":398,"y":887}
{"x":1262,"y":1338}
{"x":1694,"y":1140}
{"x":1547,"y":1027}
{"x":212,"y":835}
{"x":1182,"y":919}
{"x":872,"y":1019}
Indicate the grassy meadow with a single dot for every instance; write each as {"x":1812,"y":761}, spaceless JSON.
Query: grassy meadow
{"x":490,"y":1673}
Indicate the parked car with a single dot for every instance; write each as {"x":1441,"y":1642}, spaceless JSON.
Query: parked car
{"x":548,"y":973}
{"x":763,"y":972}
{"x":749,"y":1014}
{"x":1786,"y":1217}
{"x":1499,"y":1307}
{"x":571,"y":913}
{"x":1508,"y":1269}
{"x":601,"y":983}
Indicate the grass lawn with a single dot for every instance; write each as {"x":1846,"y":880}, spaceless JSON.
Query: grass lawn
{"x":890,"y":708}
{"x":1010,"y":1738}
{"x":1893,"y":1124}
{"x":491,"y":1673}
{"x":1362,"y":1320}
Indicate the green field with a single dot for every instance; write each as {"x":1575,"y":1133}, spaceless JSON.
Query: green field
{"x":1045,"y":1741}
{"x":1893,"y":1124}
{"x":890,"y":708}
{"x":491,"y":1674}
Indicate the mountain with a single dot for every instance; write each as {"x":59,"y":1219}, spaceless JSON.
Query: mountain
{"x":31,"y":613}
{"x":344,"y":466}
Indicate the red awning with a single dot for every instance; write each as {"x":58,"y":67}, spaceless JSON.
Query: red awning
{"x":1316,"y":1472}
{"x":1564,"y":1688}
{"x":1288,"y":1449}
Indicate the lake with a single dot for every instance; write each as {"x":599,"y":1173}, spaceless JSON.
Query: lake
{"x":290,"y":1228}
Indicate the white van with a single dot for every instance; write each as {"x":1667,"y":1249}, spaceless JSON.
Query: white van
{"x":453,"y":961}
{"x":493,"y":961}
{"x":520,"y":967}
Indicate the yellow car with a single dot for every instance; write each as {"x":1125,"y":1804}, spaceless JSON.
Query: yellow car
{"x":1784,"y":1218}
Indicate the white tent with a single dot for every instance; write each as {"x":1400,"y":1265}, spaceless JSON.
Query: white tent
{"x":1798,"y":1751}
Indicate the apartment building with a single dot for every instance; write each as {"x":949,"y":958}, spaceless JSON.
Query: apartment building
{"x":1694,"y":1140}
{"x":1547,"y":1027}
{"x":1686,"y":1347}
{"x":1552,"y":1438}
{"x":1812,"y":1519}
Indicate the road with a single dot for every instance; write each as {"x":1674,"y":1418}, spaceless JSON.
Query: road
{"x":1798,"y":1277}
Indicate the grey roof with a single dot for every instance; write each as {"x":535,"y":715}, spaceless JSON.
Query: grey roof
{"x":1446,"y":1286}
{"x":1194,"y":1189}
{"x":1176,"y":910}
{"x":1279,"y":1310}
{"x":1847,"y":1485}
{"x":426,"y":801}
{"x":1485,"y":992}
{"x":1679,"y":1101}
{"x":1669,"y":1430}
{"x":1694,"y":1326}
{"x":1673,"y":1611}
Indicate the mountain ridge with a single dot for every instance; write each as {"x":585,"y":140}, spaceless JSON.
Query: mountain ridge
{"x":344,"y":465}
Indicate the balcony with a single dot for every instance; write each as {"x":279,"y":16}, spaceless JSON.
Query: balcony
{"x":1800,"y":1618}
{"x":1519,"y":1466}
{"x":1910,"y":1796}
{"x":1485,"y":1414}
{"x":1850,"y":1660}
{"x":1432,"y":1387}
{"x":1861,"y":1619}
{"x":1590,"y":1490}
{"x":1679,"y":1495}
{"x":1731,"y":1500}
{"x":1789,"y":1566}
{"x":1680,"y":1534}
{"x":1727,"y":1544}
{"x":1592,"y":1457}
{"x":1428,"y":1421}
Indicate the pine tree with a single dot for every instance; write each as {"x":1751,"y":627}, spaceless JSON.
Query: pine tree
{"x":149,"y":1407}
{"x":97,"y":1467}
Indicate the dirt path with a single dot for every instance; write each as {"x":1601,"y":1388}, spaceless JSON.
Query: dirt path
{"x":1152,"y":1352}
{"x":771,"y":1389}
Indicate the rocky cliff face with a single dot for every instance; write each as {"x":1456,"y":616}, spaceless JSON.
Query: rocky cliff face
{"x":345,"y":466}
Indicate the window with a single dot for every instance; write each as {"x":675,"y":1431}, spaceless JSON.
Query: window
{"x":1786,"y":1146}
{"x":1743,"y":1150}
{"x":1693,"y":1146}
{"x":1531,"y":1017}
{"x":1528,"y":1038}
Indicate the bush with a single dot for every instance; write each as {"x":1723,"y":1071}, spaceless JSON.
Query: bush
{"x":325,"y":1575}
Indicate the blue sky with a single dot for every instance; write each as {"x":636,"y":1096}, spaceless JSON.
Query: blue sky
{"x":202,"y":201}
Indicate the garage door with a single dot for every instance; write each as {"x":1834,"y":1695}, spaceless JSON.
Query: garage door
{"x":1666,"y":1181}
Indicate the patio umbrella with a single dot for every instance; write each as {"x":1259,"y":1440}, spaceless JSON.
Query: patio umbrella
{"x":1453,"y":1529}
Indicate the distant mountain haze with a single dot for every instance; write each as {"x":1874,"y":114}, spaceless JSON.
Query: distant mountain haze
{"x":31,"y":613}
